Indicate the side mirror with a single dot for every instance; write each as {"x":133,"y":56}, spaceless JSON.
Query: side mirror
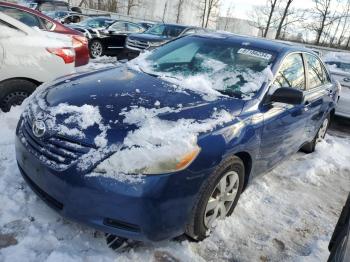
{"x":288,"y":95}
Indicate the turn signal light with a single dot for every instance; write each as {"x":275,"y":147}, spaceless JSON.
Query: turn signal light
{"x":66,"y":53}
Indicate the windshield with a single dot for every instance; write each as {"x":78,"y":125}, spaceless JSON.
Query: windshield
{"x":226,"y":66}
{"x":165,"y":30}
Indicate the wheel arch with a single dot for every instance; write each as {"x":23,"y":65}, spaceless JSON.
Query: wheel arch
{"x":22,"y":78}
{"x":248,"y":163}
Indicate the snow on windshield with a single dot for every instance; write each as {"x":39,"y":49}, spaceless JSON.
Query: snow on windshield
{"x":209,"y":77}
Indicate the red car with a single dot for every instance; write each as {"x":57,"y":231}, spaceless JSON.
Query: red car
{"x":34,"y":18}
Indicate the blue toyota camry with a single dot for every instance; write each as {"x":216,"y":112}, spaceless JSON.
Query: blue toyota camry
{"x":165,"y":144}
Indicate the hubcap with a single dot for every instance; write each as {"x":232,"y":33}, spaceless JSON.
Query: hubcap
{"x":96,"y":49}
{"x":323,"y":129}
{"x":222,"y":198}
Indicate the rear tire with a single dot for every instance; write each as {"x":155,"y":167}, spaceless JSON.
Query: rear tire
{"x":96,"y":48}
{"x":13,"y":92}
{"x":311,"y":146}
{"x":212,"y":203}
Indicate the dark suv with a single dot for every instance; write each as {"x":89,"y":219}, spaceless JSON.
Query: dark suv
{"x":156,"y":36}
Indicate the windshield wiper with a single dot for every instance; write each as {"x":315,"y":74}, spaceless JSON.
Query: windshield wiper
{"x":230,"y":93}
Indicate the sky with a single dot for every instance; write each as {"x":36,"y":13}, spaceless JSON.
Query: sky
{"x":242,"y":7}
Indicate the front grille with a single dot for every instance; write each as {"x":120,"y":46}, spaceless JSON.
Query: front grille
{"x":136,"y":44}
{"x":58,"y":151}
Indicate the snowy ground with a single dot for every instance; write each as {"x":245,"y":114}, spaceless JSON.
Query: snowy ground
{"x":288,"y":214}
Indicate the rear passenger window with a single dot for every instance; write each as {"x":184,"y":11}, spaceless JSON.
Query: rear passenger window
{"x":291,"y":73}
{"x":24,"y":17}
{"x":316,"y":72}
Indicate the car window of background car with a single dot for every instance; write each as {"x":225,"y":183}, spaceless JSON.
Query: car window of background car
{"x":189,"y":31}
{"x":156,"y":30}
{"x":118,"y":26}
{"x":291,"y":73}
{"x":132,"y":28}
{"x":44,"y":7}
{"x":47,"y":24}
{"x":316,"y":72}
{"x":173,"y":31}
{"x":22,"y":16}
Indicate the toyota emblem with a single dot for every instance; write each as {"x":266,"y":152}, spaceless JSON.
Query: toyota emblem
{"x":39,"y":128}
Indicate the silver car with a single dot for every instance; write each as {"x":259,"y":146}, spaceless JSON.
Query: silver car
{"x":340,"y":71}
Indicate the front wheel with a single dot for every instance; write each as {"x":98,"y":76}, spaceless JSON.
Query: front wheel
{"x":217,"y":198}
{"x":14,"y":91}
{"x":321,"y":133}
{"x":96,"y":48}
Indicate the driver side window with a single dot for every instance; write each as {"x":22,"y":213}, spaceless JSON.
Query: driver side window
{"x":291,"y":73}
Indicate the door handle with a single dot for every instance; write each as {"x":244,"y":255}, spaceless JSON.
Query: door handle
{"x":346,"y":79}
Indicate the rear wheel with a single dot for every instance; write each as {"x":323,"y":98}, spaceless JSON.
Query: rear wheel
{"x":217,"y":198}
{"x":13,"y":92}
{"x":96,"y":48}
{"x":321,"y":133}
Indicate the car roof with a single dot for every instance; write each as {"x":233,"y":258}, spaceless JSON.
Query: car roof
{"x":263,"y":43}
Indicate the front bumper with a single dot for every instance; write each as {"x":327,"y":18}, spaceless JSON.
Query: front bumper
{"x":155,"y":209}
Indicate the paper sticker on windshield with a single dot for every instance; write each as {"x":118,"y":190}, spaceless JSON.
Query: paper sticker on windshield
{"x":254,"y":53}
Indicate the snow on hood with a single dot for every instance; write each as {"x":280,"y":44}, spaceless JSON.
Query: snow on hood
{"x":156,"y":140}
{"x":113,"y":110}
{"x":337,"y":57}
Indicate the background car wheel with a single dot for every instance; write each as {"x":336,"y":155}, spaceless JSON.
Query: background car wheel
{"x":217,"y":197}
{"x":96,"y":48}
{"x":310,"y":147}
{"x":13,"y":92}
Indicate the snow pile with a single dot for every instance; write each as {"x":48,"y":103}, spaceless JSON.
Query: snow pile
{"x":156,"y":140}
{"x":288,"y":214}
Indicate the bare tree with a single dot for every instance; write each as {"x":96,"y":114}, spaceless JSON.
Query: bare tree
{"x":263,"y":16}
{"x":179,"y":6}
{"x":131,"y":4}
{"x":229,"y":11}
{"x":345,"y":23}
{"x":272,"y":6}
{"x":283,"y":18}
{"x":293,"y":17}
{"x":209,"y":10}
{"x":322,"y":14}
{"x":164,"y":10}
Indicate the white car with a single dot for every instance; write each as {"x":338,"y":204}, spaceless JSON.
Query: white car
{"x":339,"y":66}
{"x":29,"y":57}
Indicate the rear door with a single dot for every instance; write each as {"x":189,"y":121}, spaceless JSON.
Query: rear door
{"x":318,"y":94}
{"x":284,"y":124}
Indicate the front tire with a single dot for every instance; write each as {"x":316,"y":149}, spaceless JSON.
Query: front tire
{"x":217,"y":198}
{"x":96,"y":49}
{"x":321,"y":133}
{"x":13,"y":92}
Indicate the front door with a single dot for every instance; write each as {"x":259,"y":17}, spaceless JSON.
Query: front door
{"x":284,"y":124}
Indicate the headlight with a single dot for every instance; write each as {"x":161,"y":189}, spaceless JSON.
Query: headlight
{"x":154,"y":44}
{"x":117,"y":163}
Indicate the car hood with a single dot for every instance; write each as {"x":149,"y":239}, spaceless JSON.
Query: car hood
{"x":148,"y":37}
{"x":111,"y":92}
